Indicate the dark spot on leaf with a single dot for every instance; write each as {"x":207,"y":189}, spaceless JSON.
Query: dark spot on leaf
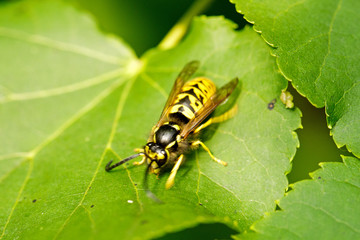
{"x":34,"y":201}
{"x":92,"y":206}
{"x":143,"y":222}
{"x":319,"y":177}
{"x":135,"y":184}
{"x":271,"y":104}
{"x":200,"y":204}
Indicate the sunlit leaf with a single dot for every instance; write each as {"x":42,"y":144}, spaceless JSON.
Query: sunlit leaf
{"x":317,"y":45}
{"x":327,"y":207}
{"x":73,"y":99}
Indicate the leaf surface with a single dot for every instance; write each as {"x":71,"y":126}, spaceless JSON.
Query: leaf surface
{"x":317,"y":45}
{"x":326,"y":207}
{"x":74,"y":99}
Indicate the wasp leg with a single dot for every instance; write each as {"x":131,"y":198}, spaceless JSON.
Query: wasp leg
{"x":139,"y":150}
{"x":141,"y":162}
{"x":170,"y":181}
{"x":225,"y":116}
{"x":196,"y":143}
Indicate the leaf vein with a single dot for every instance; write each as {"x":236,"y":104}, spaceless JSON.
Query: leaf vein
{"x":31,"y":165}
{"x":13,"y":155}
{"x":154,"y":84}
{"x":11,"y":171}
{"x":93,"y":225}
{"x":228,"y":190}
{"x":248,"y":150}
{"x":330,"y":215}
{"x":131,"y":180}
{"x":64,"y":89}
{"x":57,"y":45}
{"x":329,"y":40}
{"x":286,"y":11}
{"x":346,"y":92}
{"x":77,"y":116}
{"x":118,"y":114}
{"x":31,"y":155}
{"x":305,"y":43}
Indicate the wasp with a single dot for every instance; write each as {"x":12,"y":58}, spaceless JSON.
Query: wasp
{"x":189,"y":104}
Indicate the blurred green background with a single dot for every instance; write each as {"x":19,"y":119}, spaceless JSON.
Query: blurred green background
{"x":143,"y":24}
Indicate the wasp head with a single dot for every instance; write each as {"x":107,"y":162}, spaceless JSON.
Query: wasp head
{"x":157,"y":156}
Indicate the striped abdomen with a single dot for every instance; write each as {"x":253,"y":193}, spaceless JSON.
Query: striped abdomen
{"x":192,"y":97}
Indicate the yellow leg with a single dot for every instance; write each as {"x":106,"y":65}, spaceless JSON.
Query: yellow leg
{"x":225,"y":116}
{"x":138,"y":150}
{"x":170,"y":181}
{"x":141,"y":162}
{"x":208,"y":151}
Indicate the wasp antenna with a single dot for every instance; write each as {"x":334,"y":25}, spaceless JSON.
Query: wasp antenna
{"x":149,"y":193}
{"x":108,"y":166}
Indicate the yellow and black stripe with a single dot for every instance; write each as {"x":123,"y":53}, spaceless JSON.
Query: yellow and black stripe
{"x":192,"y":98}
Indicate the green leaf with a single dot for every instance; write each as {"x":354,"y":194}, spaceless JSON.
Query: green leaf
{"x":45,"y":62}
{"x":317,"y":47}
{"x":74,"y":99}
{"x":327,"y":207}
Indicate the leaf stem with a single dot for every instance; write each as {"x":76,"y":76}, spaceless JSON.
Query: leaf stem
{"x":177,"y":32}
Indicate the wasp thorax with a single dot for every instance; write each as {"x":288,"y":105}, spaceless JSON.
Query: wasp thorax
{"x":166,"y":134}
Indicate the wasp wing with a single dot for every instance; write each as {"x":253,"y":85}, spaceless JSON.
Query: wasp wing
{"x":215,"y":100}
{"x":184,"y":75}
